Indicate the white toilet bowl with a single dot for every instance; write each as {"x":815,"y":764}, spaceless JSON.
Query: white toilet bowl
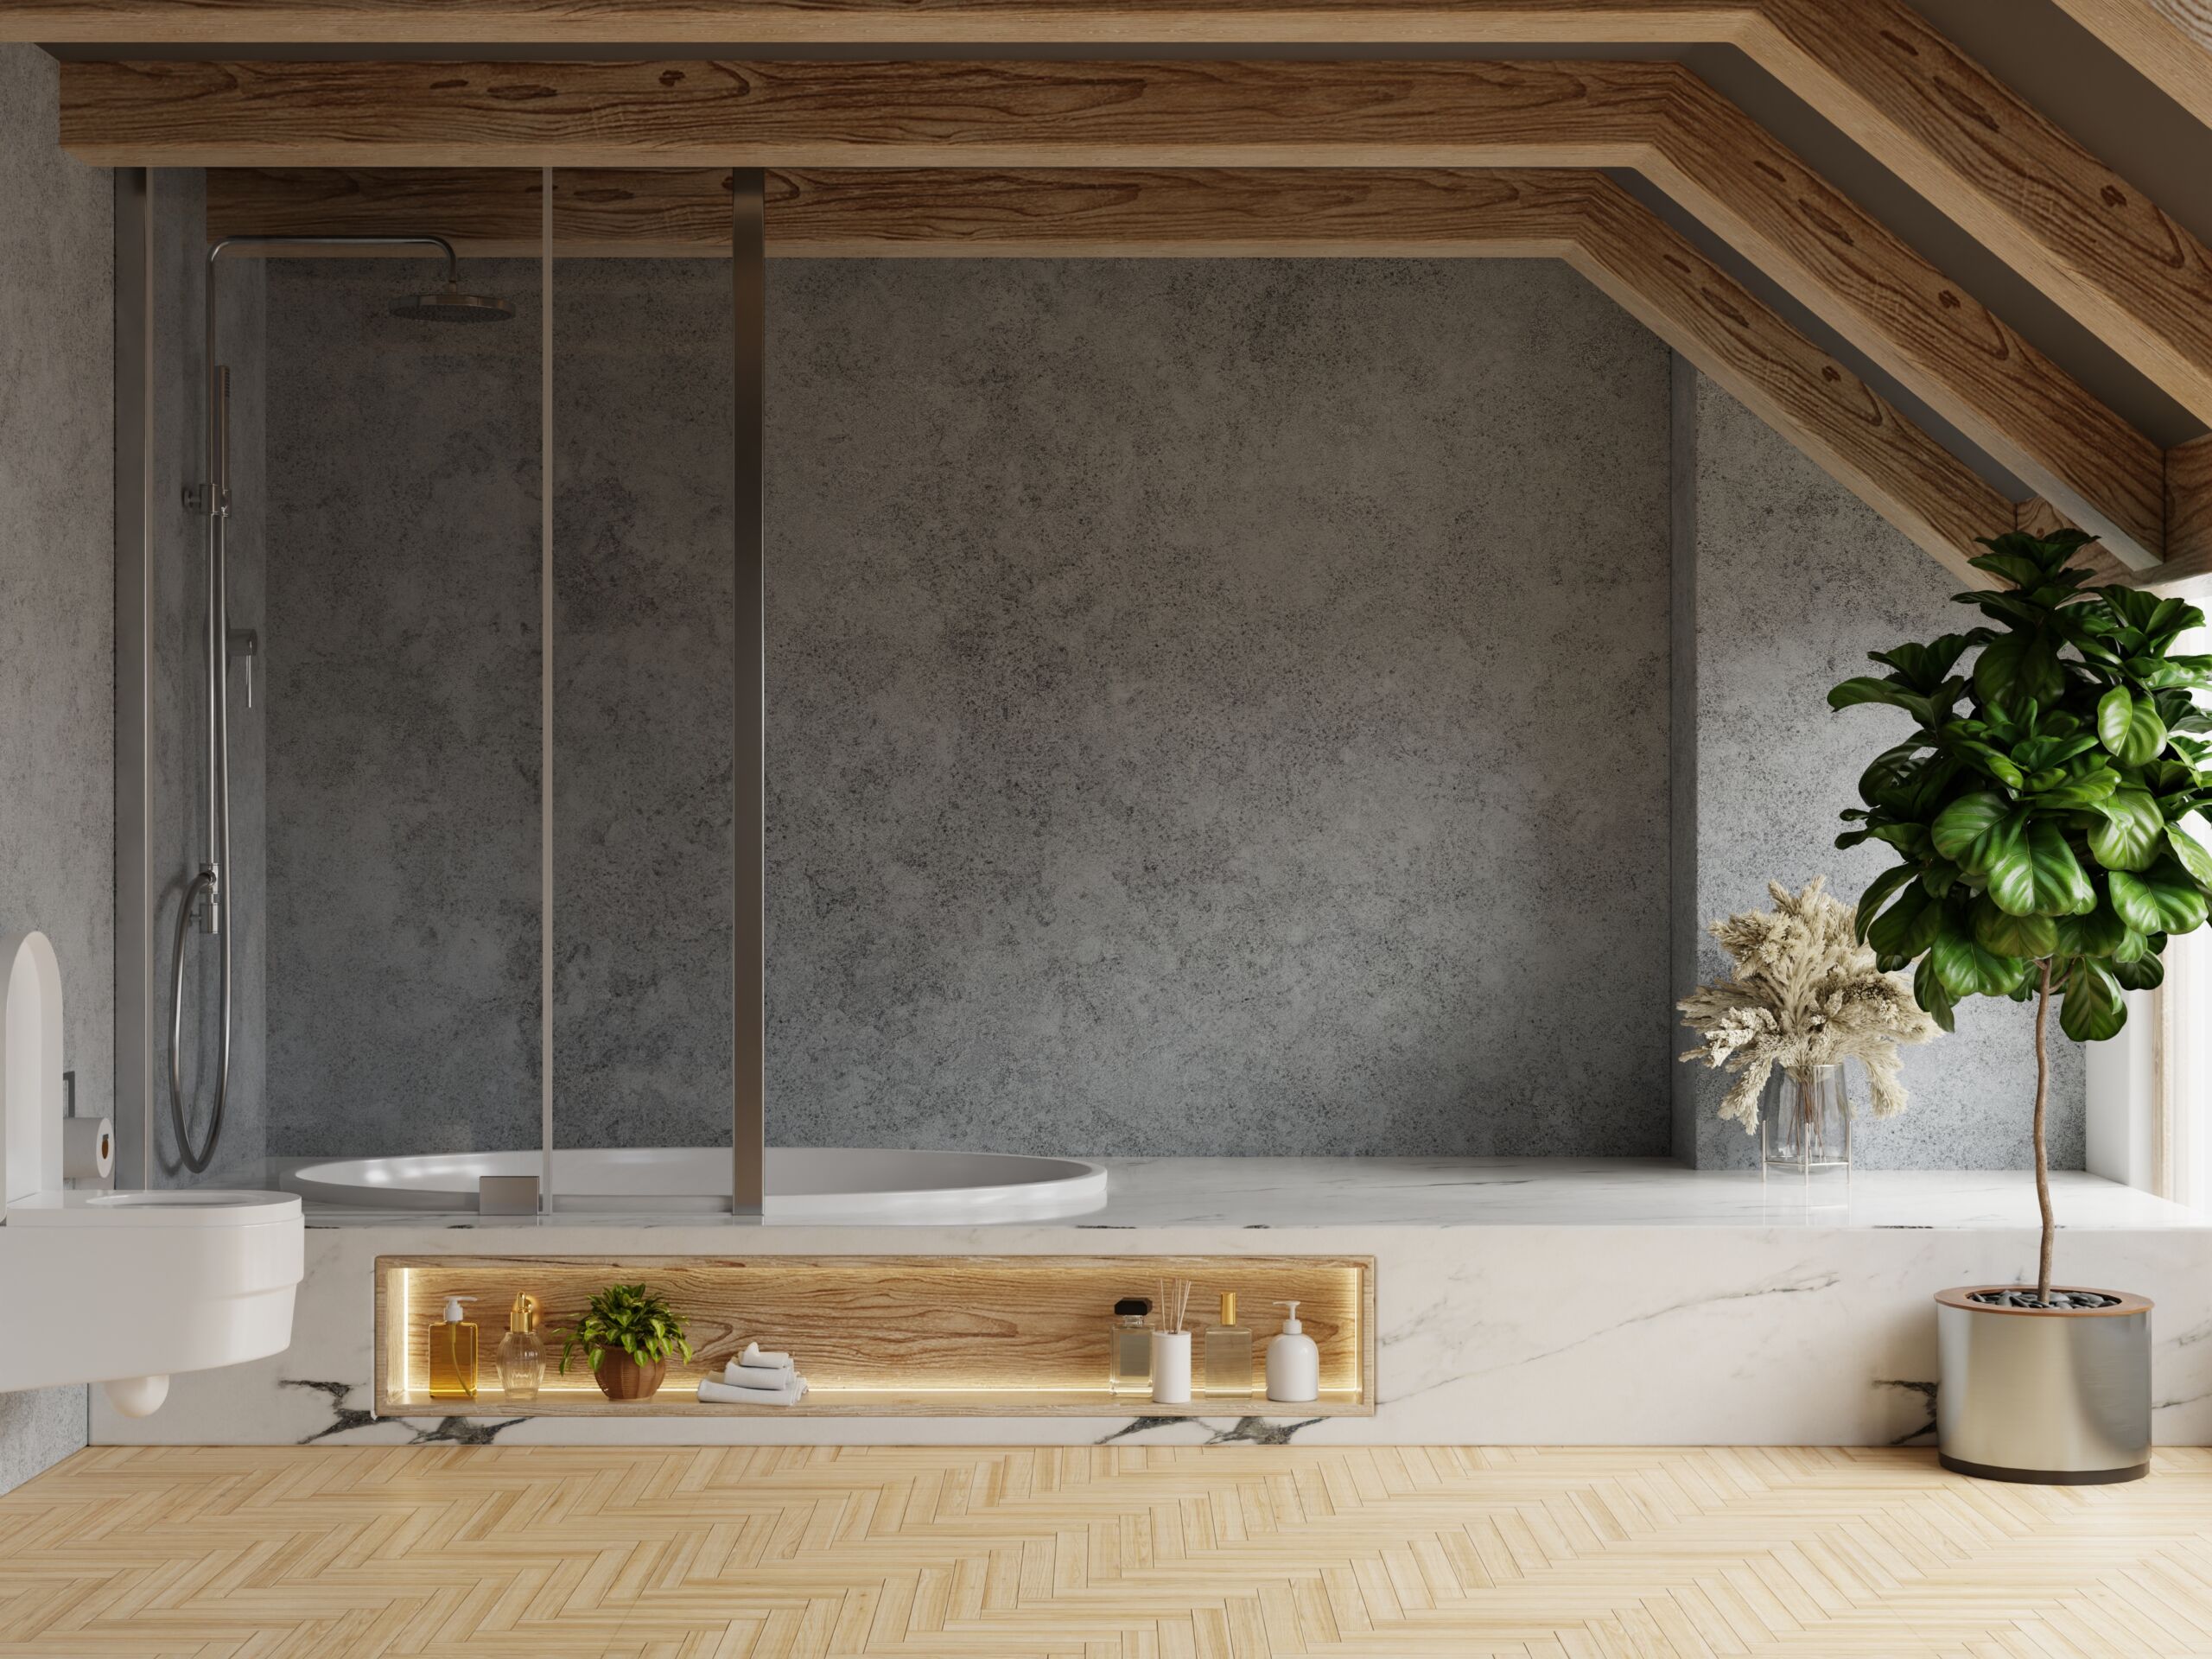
{"x":121,"y":1288}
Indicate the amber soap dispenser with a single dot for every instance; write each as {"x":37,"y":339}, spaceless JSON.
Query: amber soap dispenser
{"x":452,"y":1353}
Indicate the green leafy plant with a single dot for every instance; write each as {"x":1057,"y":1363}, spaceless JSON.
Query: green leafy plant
{"x":2040,"y":825}
{"x":631,"y":1318}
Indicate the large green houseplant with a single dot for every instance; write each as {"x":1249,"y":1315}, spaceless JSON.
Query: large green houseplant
{"x":2036,"y":806}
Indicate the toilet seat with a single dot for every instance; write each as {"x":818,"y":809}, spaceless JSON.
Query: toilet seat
{"x":120,"y":1288}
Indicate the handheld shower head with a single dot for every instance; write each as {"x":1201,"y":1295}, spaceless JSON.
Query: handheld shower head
{"x":449,"y":304}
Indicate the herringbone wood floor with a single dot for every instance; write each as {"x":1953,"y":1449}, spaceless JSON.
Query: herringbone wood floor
{"x":1091,"y":1552}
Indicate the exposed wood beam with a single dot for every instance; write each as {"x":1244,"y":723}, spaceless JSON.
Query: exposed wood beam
{"x":2169,"y":42}
{"x":707,"y":23}
{"x":2002,"y":170}
{"x":1581,"y":217}
{"x":2189,"y":510}
{"x":1875,"y":68}
{"x":2008,"y":398}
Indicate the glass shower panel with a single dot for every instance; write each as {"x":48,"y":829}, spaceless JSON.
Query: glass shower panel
{"x":384,"y":528}
{"x":643,"y":683}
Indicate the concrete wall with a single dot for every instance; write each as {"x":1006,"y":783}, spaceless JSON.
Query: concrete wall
{"x":1794,"y":580}
{"x":1141,"y":780}
{"x":57,"y":614}
{"x":402,"y":718}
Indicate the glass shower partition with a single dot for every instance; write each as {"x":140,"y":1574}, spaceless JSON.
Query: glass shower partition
{"x":378,"y":701}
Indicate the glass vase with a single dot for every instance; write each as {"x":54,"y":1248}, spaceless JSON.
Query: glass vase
{"x":1804,"y":1121}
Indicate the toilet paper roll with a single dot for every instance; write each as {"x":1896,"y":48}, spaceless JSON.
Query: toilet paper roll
{"x":88,"y":1149}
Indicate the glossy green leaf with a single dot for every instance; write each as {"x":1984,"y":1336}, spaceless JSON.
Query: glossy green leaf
{"x":2016,"y":668}
{"x":1870,"y":902}
{"x":1935,"y":1002}
{"x":1863,"y":688}
{"x":2146,"y":973}
{"x":1968,"y":969}
{"x":2129,"y":727}
{"x":1893,"y":778}
{"x":2035,"y":872}
{"x":2132,"y":833}
{"x":2013,"y":936}
{"x":2094,"y":1007}
{"x":2097,"y":934}
{"x":2164,"y":898}
{"x":1908,"y":926}
{"x":2190,"y":853}
{"x":1962,"y":829}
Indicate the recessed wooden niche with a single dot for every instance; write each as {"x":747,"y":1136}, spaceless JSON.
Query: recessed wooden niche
{"x":908,"y":1336}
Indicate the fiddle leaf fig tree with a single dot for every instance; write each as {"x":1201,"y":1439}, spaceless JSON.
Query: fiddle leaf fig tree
{"x":2036,"y":807}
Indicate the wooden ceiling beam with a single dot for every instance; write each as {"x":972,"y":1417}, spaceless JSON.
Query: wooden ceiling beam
{"x":2168,"y":42}
{"x":1876,"y":68}
{"x":1579,"y":216}
{"x":2008,"y":398}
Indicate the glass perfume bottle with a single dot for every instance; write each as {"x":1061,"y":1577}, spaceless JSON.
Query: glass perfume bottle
{"x":1129,"y":1347}
{"x":1229,"y":1352}
{"x":452,"y":1353}
{"x":522,"y":1351}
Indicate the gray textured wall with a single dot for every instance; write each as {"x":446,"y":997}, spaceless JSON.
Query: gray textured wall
{"x":1141,"y":781}
{"x":1794,"y":581}
{"x":57,"y":614}
{"x":1186,"y":725}
{"x":402,"y":718}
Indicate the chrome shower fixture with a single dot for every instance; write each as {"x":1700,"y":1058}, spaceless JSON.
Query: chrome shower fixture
{"x":449,"y":304}
{"x":207,"y":896}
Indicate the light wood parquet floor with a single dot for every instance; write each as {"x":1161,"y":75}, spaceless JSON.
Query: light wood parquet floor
{"x":1093,"y":1553}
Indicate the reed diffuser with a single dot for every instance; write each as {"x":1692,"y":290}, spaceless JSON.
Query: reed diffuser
{"x":1171,"y":1345}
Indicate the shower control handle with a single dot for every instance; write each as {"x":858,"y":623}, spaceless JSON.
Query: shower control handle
{"x":246,"y":642}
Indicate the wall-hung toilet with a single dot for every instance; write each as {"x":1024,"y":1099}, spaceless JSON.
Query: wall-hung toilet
{"x":119,"y":1288}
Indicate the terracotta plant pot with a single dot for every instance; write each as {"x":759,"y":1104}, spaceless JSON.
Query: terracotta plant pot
{"x":620,"y":1378}
{"x":2051,"y":1397}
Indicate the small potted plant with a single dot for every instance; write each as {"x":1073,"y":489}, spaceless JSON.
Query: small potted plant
{"x":2040,"y":828}
{"x":627,"y":1334}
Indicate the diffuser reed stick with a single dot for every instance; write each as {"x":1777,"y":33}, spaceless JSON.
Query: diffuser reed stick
{"x":1174,"y":1302}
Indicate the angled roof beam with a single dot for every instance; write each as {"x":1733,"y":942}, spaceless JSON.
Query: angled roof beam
{"x":1876,"y":68}
{"x":2005,"y":397}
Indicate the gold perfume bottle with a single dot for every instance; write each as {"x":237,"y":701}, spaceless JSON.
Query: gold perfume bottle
{"x":1229,"y":1352}
{"x":452,"y":1353}
{"x":522,"y":1351}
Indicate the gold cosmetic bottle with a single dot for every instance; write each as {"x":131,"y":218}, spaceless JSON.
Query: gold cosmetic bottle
{"x":452,"y":1353}
{"x":522,"y":1351}
{"x":1229,"y":1352}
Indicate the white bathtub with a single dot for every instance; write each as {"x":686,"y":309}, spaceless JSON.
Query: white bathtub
{"x":804,"y":1183}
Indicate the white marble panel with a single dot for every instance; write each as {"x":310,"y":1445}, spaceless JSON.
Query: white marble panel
{"x":1729,"y":1333}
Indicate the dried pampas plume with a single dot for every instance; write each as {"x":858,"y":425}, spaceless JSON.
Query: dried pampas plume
{"x":1805,"y":993}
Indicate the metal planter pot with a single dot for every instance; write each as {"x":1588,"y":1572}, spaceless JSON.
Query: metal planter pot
{"x":2058,"y":1397}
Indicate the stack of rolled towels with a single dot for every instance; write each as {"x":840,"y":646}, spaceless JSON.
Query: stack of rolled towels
{"x":755,"y":1379}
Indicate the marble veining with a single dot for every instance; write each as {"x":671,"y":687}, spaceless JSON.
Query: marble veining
{"x":1737,"y":1327}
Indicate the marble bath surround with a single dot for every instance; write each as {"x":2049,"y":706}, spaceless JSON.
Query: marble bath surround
{"x":1589,"y":1302}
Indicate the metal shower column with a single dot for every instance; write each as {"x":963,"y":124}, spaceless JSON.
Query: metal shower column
{"x":749,"y":286}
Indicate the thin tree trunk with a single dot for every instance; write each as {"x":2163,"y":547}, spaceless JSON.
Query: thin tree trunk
{"x":2042,"y":1158}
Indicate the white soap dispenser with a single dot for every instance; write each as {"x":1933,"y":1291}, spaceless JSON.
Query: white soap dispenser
{"x":1294,"y":1363}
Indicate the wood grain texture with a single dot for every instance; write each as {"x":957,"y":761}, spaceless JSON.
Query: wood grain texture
{"x":2005,"y":172}
{"x":868,"y":22}
{"x":2168,"y":42}
{"x":1122,"y":1552}
{"x":894,"y":1336}
{"x":2188,"y":511}
{"x":2003,"y":394}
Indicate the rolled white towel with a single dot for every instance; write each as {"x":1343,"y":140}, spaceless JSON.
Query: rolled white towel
{"x":757,"y":1376}
{"x":753,"y":1355}
{"x":723,"y":1393}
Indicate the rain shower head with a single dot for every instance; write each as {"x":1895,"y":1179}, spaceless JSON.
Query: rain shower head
{"x":449,"y":304}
